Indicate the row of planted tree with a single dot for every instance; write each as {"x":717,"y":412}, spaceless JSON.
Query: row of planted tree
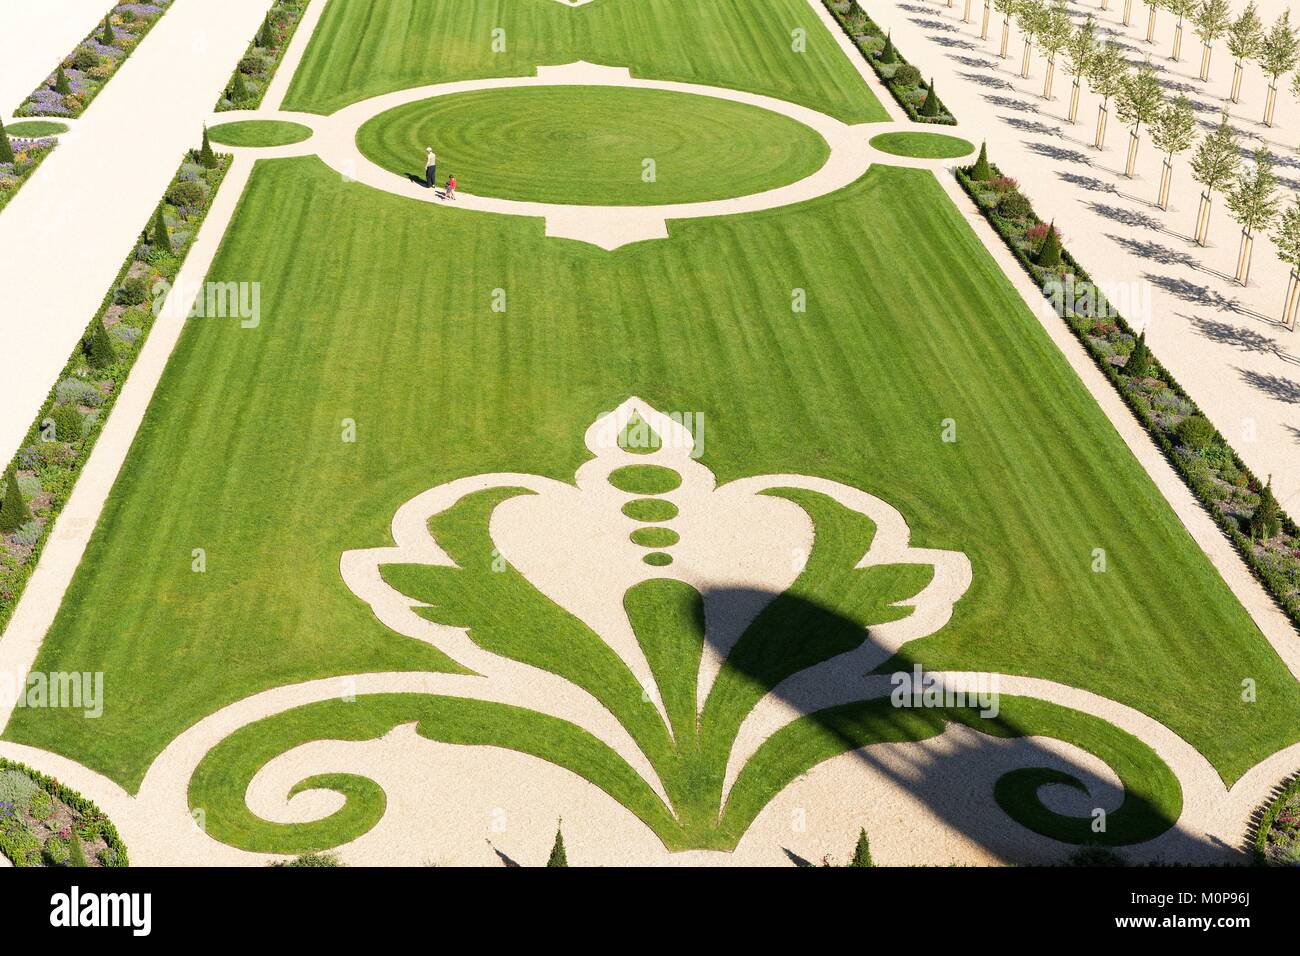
{"x":1137,"y":95}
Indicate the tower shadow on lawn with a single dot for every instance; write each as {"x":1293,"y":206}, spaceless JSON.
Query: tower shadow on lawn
{"x":987,"y":791}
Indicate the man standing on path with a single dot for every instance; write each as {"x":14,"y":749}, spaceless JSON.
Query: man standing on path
{"x":430,"y":168}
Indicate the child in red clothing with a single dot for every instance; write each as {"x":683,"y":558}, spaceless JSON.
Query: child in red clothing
{"x":451,"y":187}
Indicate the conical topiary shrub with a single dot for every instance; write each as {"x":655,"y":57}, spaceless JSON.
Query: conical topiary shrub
{"x":931,"y":105}
{"x":889,"y":54}
{"x":61,"y":84}
{"x":1049,"y":253}
{"x":107,"y":37}
{"x":1266,"y":522}
{"x":980,"y":171}
{"x":207,"y":158}
{"x":238,"y":88}
{"x":162,"y":239}
{"x":862,"y":852}
{"x":558,"y":856}
{"x":1139,"y":360}
{"x":6,"y":150}
{"x":99,"y":349}
{"x":14,"y":512}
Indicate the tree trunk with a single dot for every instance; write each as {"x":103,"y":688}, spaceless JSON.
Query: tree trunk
{"x":1105,"y":5}
{"x":1203,"y":218}
{"x":1178,"y":41}
{"x":965,"y":12}
{"x":1236,"y":82}
{"x":1132,"y":152}
{"x":1270,"y":102}
{"x":1006,"y":37}
{"x":1074,"y":101}
{"x":984,"y":26}
{"x":1166,"y":175}
{"x":1024,"y":61}
{"x":1292,"y":300}
{"x":1128,"y":12}
{"x":1205,"y":60}
{"x":1243,"y":257}
{"x":1047,"y":84}
{"x":1100,"y":140}
{"x":1151,"y":26}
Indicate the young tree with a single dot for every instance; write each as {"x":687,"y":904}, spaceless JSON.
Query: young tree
{"x":14,"y":512}
{"x":1173,"y":131}
{"x":558,"y":855}
{"x":1140,"y":100}
{"x":1053,"y":38}
{"x":862,"y":852}
{"x":1008,"y":10}
{"x":1277,"y":55}
{"x":889,"y":54}
{"x":1079,"y":51}
{"x":1106,"y":75}
{"x":1286,"y":237}
{"x":6,"y":149}
{"x":107,"y":36}
{"x":1244,"y":36}
{"x":1152,"y":6}
{"x":264,"y":35}
{"x":1182,"y":9}
{"x":984,"y":24}
{"x":1211,"y":18}
{"x":62,"y":84}
{"x":238,"y":88}
{"x":1266,"y":521}
{"x":1213,"y":166}
{"x":1253,"y":201}
{"x":1031,"y":18}
{"x":162,"y":239}
{"x":980,"y":171}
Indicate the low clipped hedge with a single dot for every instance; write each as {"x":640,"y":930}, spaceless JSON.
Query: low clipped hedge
{"x":91,"y":817}
{"x":869,"y":38}
{"x":260,"y":63}
{"x":1269,"y":848}
{"x":1275,"y":561}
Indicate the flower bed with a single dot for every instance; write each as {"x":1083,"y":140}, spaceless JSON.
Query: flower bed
{"x":902,"y":79}
{"x":1243,"y":506}
{"x":88,"y":68}
{"x":57,"y":445}
{"x":44,"y":823}
{"x":1277,"y":837}
{"x":28,"y":154}
{"x":248,"y":83}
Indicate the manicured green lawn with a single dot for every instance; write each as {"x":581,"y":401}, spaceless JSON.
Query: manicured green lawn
{"x":923,"y":145}
{"x":259,"y":133}
{"x":592,"y":145}
{"x":909,"y":324}
{"x":362,"y":49}
{"x":35,"y":128}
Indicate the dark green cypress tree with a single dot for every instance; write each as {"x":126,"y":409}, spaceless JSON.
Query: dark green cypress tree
{"x":889,"y":54}
{"x":238,"y":88}
{"x":99,"y":349}
{"x":980,"y":171}
{"x":1266,"y":522}
{"x":162,"y":239}
{"x":862,"y":852}
{"x":558,"y":856}
{"x":1049,"y":253}
{"x":207,"y":158}
{"x":1139,"y":360}
{"x":14,"y":512}
{"x":107,"y":38}
{"x":6,"y":150}
{"x":61,"y":84}
{"x":931,"y":105}
{"x":263,"y":38}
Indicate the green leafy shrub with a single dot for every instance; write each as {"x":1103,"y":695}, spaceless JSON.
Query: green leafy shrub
{"x":133,"y":291}
{"x":14,"y":512}
{"x":862,"y":852}
{"x":85,"y":59}
{"x":100,"y":352}
{"x":67,"y":423}
{"x":57,"y":851}
{"x":558,"y":857}
{"x":17,"y":788}
{"x":1014,"y":205}
{"x":907,"y":75}
{"x":191,"y":193}
{"x":42,"y":805}
{"x":1195,"y":431}
{"x":76,"y":391}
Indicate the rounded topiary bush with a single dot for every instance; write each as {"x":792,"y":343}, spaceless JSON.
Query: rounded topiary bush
{"x":1013,"y":205}
{"x":907,"y":75}
{"x":1196,"y":432}
{"x":191,"y":193}
{"x":133,"y":291}
{"x":67,"y":423}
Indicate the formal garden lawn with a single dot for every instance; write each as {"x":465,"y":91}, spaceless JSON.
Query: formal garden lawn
{"x":596,"y":145}
{"x":923,"y":145}
{"x":362,"y":49}
{"x":908,"y":324}
{"x":259,"y":133}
